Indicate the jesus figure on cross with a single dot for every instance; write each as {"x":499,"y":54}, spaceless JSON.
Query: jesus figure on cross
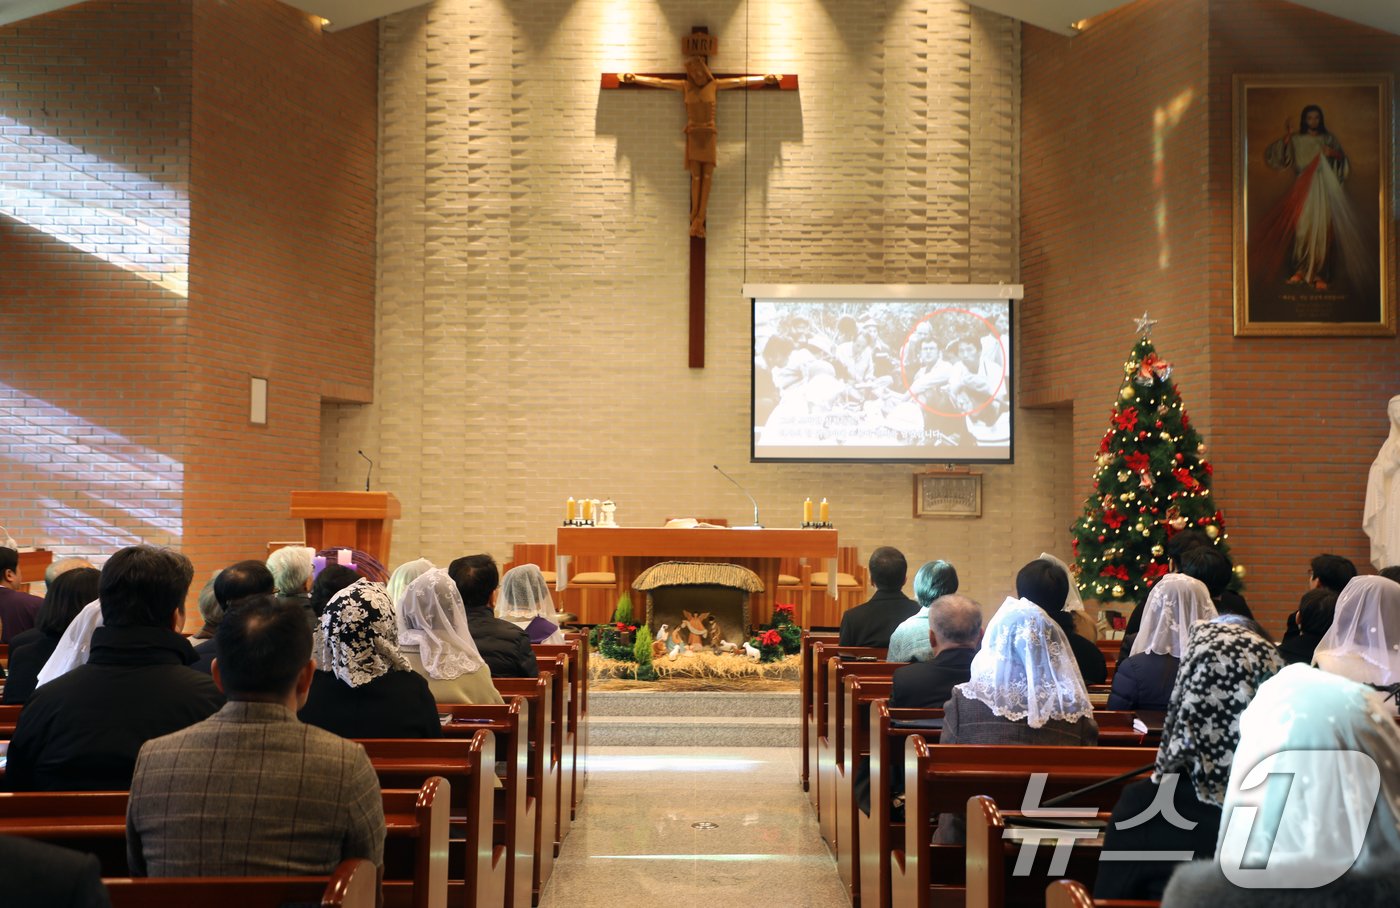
{"x":701,"y":135}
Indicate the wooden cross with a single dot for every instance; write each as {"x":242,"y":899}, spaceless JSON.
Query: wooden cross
{"x":700,"y":87}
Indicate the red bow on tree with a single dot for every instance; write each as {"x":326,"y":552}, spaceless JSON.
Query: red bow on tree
{"x":1126,"y":419}
{"x":1153,"y":367}
{"x":1137,"y":461}
{"x":1113,"y":519}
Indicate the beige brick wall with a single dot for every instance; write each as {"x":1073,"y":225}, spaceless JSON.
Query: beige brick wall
{"x":531,"y":339}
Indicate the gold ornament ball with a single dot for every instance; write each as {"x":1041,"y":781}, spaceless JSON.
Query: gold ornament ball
{"x":1166,"y":436}
{"x":1212,"y":530}
{"x":1146,"y":531}
{"x":1098,"y":589}
{"x":1239,"y":571}
{"x":1118,"y":591}
{"x":1201,"y":449}
{"x":1124,"y":475}
{"x":1127,"y":393}
{"x":1158,"y":551}
{"x":1139,"y":527}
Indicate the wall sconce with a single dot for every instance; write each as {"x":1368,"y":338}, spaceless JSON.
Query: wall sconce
{"x":257,"y":401}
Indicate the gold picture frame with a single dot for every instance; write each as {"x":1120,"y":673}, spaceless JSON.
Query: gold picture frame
{"x":948,"y":493}
{"x":1312,"y":200}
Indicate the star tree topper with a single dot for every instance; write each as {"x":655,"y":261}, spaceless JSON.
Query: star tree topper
{"x":1145,"y":324}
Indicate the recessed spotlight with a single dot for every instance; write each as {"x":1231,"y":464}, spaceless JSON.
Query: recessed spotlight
{"x":704,"y":824}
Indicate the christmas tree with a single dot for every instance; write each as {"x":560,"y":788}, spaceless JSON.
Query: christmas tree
{"x":1151,"y":481}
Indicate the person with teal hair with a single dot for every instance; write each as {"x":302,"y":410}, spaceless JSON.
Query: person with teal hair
{"x":909,"y":642}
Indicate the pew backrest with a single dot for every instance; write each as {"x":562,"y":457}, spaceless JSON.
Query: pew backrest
{"x":353,"y":884}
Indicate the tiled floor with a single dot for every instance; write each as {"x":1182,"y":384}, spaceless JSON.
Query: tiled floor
{"x":634,"y":844}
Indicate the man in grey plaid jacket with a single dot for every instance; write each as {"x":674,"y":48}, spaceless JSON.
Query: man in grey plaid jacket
{"x":252,"y":790}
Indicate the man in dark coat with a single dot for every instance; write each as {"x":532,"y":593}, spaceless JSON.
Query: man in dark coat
{"x":504,"y":647}
{"x":955,"y":632}
{"x":82,"y":731}
{"x":234,"y":583}
{"x":872,"y":622}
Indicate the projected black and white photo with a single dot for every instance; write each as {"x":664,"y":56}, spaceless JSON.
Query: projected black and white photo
{"x":901,"y":380}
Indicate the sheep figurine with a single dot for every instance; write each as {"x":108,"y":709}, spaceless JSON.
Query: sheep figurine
{"x":752,"y":652}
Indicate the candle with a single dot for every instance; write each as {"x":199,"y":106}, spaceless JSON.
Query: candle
{"x":826,"y":512}
{"x":807,"y":511}
{"x":569,"y":510}
{"x":587,"y":509}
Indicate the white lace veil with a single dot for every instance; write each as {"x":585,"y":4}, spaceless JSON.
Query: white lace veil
{"x":75,"y":644}
{"x":1073,"y":602}
{"x":432,"y":618}
{"x":1025,"y":668}
{"x":1175,"y":603}
{"x":356,"y":638}
{"x":403,"y":575}
{"x":524,"y":594}
{"x":1315,"y":805}
{"x":1363,"y":643}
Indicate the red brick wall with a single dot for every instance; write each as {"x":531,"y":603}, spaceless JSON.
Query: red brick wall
{"x":226,"y":147}
{"x":94,"y":251}
{"x":1297,"y":421}
{"x":1291,"y":450}
{"x":281,"y":260}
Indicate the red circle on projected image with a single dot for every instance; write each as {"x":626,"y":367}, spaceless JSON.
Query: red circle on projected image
{"x":904,"y":352}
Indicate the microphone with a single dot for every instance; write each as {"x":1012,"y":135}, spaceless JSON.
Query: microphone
{"x":756,"y":524}
{"x":367,"y":471}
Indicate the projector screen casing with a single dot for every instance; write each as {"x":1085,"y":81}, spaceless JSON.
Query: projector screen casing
{"x":882,"y":374}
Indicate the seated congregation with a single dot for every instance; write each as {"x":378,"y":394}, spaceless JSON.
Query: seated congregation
{"x":1200,"y":695}
{"x":275,"y":742}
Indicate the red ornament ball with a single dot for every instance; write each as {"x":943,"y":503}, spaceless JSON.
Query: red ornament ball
{"x":1159,"y":424}
{"x":1179,"y":458}
{"x":1101,"y":537}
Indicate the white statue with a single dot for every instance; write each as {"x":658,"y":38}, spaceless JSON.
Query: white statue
{"x":1382,"y":518}
{"x":608,"y":509}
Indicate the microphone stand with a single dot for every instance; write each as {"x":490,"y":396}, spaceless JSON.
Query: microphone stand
{"x":756,"y":524}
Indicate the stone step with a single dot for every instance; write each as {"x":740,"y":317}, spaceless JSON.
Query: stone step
{"x":697,"y":704}
{"x":719,"y":731}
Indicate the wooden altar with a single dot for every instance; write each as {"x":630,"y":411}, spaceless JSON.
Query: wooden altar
{"x":634,"y":549}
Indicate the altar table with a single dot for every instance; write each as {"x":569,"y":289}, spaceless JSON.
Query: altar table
{"x":634,"y":549}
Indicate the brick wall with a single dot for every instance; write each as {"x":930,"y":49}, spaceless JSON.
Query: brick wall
{"x":186,"y":199}
{"x":94,"y":272}
{"x":1127,"y":181}
{"x":533,"y":256}
{"x":281,"y":260}
{"x":1298,"y":421}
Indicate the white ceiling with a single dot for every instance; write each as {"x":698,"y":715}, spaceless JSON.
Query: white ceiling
{"x":1052,"y":15}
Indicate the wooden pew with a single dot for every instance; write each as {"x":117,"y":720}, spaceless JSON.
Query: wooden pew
{"x":878,"y":830}
{"x":9,"y":715}
{"x":1072,"y":894}
{"x":415,"y":849}
{"x":831,"y":742}
{"x":816,"y":684}
{"x":541,"y":783}
{"x":353,"y":884}
{"x":874,"y":729}
{"x":991,"y":858}
{"x":508,"y":810}
{"x":860,"y":691}
{"x":939,"y":779}
{"x":807,"y":677}
{"x":581,"y":762}
{"x":560,"y":661}
{"x":474,"y":873}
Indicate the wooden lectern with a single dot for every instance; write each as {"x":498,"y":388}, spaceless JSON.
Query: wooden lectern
{"x":354,"y":520}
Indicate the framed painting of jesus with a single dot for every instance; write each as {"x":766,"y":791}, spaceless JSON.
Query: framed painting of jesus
{"x":1312,"y":200}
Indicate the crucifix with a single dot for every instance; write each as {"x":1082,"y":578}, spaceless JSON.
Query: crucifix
{"x":700,"y":87}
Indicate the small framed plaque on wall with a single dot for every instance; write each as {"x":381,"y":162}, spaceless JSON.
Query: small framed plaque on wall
{"x":948,"y":493}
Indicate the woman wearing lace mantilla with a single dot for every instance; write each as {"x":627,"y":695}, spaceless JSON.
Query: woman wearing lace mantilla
{"x":1025,"y":689}
{"x":363,"y":686}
